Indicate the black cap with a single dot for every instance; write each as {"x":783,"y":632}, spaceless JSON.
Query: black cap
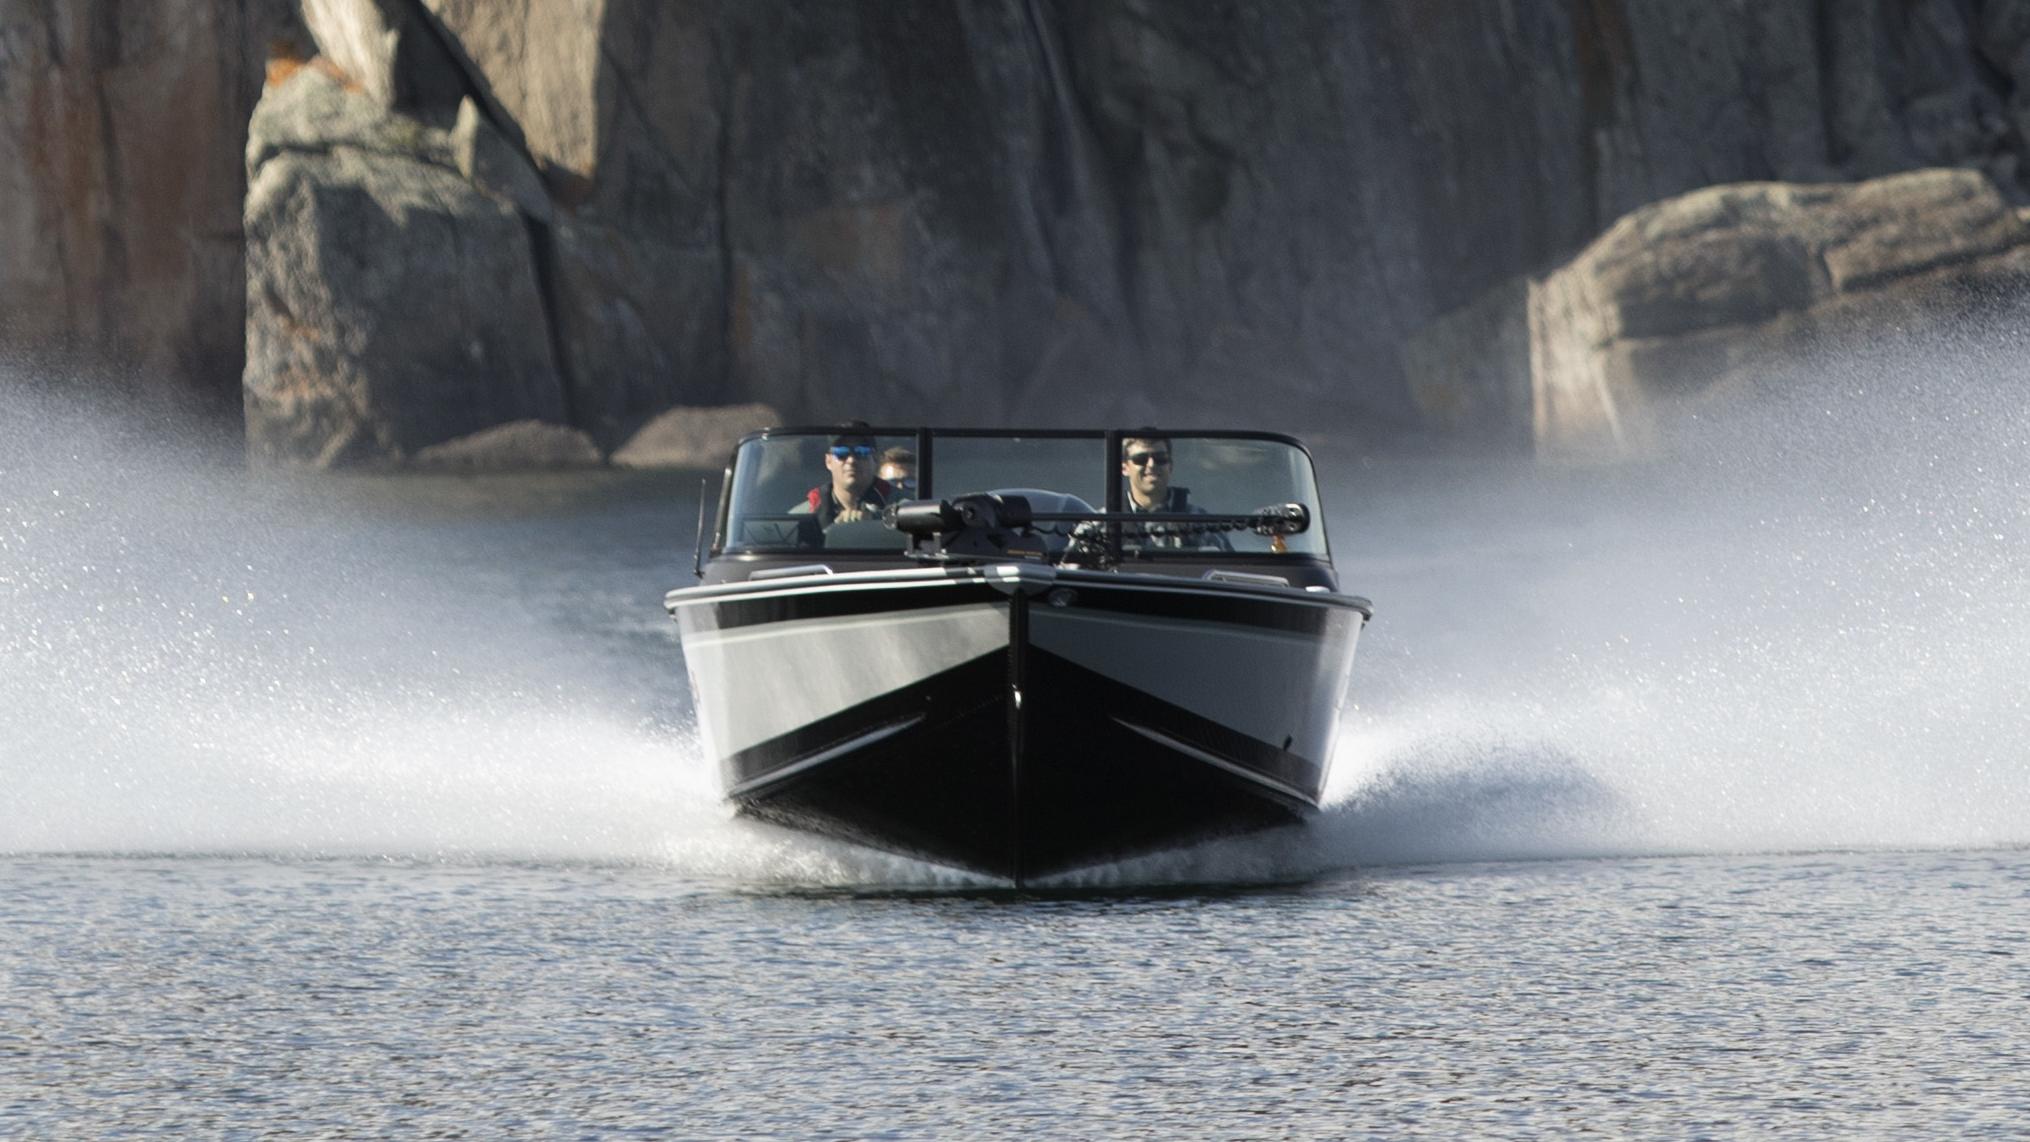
{"x":846,"y":435}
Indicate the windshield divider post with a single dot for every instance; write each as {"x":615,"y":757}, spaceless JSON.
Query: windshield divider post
{"x":1113,"y":494}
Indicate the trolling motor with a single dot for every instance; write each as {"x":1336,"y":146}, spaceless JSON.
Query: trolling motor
{"x":1279,"y":520}
{"x":1006,"y":525}
{"x":984,"y":525}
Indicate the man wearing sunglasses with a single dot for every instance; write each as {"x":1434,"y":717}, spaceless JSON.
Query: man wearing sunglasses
{"x":898,"y":470}
{"x":854,"y":493}
{"x":1146,"y":463}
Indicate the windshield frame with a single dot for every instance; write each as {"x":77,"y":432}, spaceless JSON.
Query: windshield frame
{"x":926,"y":479}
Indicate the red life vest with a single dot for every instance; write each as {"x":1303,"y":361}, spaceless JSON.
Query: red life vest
{"x":816,"y":496}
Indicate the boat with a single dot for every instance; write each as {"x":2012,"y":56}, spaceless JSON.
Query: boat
{"x":1018,"y":653}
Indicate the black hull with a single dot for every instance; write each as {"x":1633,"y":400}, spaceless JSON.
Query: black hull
{"x":1021,"y":763}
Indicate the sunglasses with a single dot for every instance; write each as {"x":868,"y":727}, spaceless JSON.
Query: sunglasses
{"x":1160,"y":459}
{"x":842,"y":451}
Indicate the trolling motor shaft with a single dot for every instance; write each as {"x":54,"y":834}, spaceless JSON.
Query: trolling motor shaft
{"x":998,"y":525}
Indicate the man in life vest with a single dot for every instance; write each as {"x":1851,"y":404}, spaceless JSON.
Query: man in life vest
{"x":852,"y":494}
{"x":1146,"y":464}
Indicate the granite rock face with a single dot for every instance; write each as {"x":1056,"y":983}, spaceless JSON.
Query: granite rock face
{"x":121,"y":128}
{"x":618,"y":106}
{"x":391,"y":304}
{"x":1689,"y":300}
{"x":1132,"y":210}
{"x":1006,"y":210}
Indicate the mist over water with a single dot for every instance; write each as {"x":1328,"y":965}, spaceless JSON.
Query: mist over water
{"x":199,"y":659}
{"x":1808,"y":628}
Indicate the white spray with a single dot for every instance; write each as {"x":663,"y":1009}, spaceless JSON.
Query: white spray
{"x":1809,"y":628}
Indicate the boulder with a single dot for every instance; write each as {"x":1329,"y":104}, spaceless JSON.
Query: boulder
{"x":522,"y":445}
{"x":1681,"y":298}
{"x":693,"y":437}
{"x":391,"y":304}
{"x":317,"y":109}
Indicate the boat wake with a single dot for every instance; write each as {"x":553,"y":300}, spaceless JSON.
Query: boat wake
{"x":1807,"y":631}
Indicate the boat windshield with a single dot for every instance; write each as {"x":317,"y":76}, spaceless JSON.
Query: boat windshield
{"x":806,"y":490}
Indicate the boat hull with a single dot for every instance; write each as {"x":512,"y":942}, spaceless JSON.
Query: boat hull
{"x":1019,"y":721}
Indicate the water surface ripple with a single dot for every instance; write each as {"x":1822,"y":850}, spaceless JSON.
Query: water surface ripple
{"x":1791,"y":996}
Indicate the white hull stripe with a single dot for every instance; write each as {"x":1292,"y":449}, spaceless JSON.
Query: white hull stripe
{"x":1276,"y":687}
{"x":758,"y":682}
{"x":1163,"y":739}
{"x":824,"y":755}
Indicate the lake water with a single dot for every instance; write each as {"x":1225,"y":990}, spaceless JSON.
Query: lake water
{"x":1872,"y":995}
{"x":1684,"y":799}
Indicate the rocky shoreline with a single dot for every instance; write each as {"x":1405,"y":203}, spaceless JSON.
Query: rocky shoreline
{"x":457,"y":234}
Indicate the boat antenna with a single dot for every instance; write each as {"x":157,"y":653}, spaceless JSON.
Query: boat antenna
{"x":698,"y":548}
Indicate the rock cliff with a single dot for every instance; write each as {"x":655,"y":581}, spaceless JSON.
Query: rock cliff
{"x":1011,"y":209}
{"x":121,"y":127}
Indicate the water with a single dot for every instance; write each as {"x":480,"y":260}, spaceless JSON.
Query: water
{"x":1683,"y":799}
{"x":1872,"y":995}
